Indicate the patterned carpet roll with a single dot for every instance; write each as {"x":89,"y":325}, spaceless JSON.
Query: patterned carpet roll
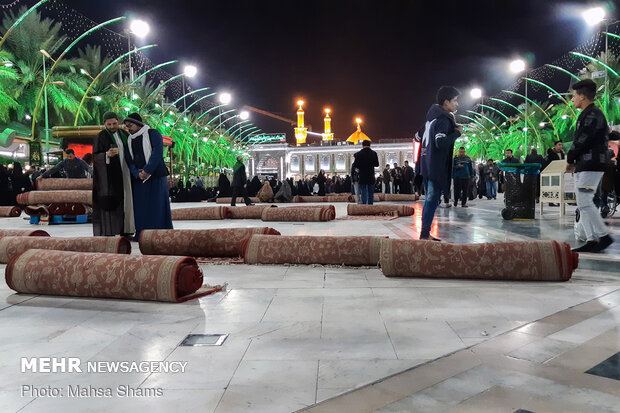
{"x":200,"y":213}
{"x":10,"y":211}
{"x":382,"y":209}
{"x":300,"y":214}
{"x":239,"y":200}
{"x":354,"y":251}
{"x":340,"y":198}
{"x":88,"y":274}
{"x":379,"y":197}
{"x":69,"y":209}
{"x":57,"y":184}
{"x":36,"y":210}
{"x":23,"y":233}
{"x":517,"y":261}
{"x":309,"y":198}
{"x":12,"y":246}
{"x":55,"y":197}
{"x":248,"y":212}
{"x":400,"y":197}
{"x":198,"y":243}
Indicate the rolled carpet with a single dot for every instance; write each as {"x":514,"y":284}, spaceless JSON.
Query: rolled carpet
{"x":69,"y":209}
{"x":205,"y":213}
{"x":400,"y":197}
{"x":248,"y":212}
{"x":354,"y":251}
{"x":10,"y":211}
{"x":254,"y":200}
{"x":300,"y":214}
{"x":198,"y":243}
{"x":54,"y":197}
{"x":36,"y":210}
{"x":57,"y":184}
{"x":12,"y":246}
{"x":91,"y":274}
{"x":341,"y":198}
{"x":309,"y":198}
{"x":517,"y":261}
{"x":382,"y":209}
{"x":23,"y":233}
{"x":379,"y":197}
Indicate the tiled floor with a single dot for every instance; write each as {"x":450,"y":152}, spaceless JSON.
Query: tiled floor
{"x":301,"y":334}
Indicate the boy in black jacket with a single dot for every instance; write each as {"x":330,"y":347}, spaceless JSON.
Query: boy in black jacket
{"x":587,"y":159}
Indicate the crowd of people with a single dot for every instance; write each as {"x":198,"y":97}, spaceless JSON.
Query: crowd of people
{"x":132,"y":189}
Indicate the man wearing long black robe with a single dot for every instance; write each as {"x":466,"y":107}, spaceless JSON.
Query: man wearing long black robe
{"x":112,"y":195}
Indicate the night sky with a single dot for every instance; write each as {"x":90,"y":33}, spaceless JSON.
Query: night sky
{"x":382,"y":60}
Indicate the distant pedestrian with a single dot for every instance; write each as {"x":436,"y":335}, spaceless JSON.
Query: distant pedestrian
{"x":366,"y":160}
{"x":462,"y":172}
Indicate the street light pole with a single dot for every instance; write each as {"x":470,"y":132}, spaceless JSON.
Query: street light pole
{"x":47,"y":126}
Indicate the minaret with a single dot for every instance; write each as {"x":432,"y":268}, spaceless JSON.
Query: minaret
{"x":300,"y":131}
{"x":328,"y":135}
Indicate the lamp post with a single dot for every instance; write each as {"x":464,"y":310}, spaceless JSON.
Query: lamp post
{"x":139,"y":28}
{"x":190,"y":71}
{"x":476,"y":93}
{"x":225,"y":99}
{"x":518,"y":66}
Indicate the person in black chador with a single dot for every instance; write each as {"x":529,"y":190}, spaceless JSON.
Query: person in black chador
{"x":239,"y":183}
{"x":112,"y":196}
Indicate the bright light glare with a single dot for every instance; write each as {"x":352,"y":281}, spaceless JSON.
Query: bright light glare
{"x":244,"y":115}
{"x":225,"y":98}
{"x":594,"y":15}
{"x":190,"y":71}
{"x":542,"y":124}
{"x":476,"y":93}
{"x":517,"y":66}
{"x":564,"y":116}
{"x":98,"y":98}
{"x":205,"y":139}
{"x":358,"y":120}
{"x":328,"y":111}
{"x":139,"y":27}
{"x":300,"y":102}
{"x":28,"y":117}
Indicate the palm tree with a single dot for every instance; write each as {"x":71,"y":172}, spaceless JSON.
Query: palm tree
{"x":65,"y":87}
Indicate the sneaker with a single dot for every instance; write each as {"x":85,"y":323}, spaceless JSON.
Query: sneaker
{"x":464,"y":206}
{"x":589,"y":246}
{"x":603,"y":243}
{"x":456,"y":204}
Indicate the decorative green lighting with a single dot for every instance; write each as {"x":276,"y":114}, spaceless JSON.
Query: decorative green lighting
{"x":595,"y":61}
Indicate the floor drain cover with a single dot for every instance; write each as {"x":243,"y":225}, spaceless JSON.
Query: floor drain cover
{"x":198,"y":340}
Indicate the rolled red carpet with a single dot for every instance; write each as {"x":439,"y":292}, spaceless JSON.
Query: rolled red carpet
{"x":248,"y":212}
{"x":198,"y":243}
{"x":309,"y":198}
{"x":239,"y":200}
{"x":12,"y":246}
{"x":517,"y":261}
{"x":300,"y":214}
{"x":88,"y":274}
{"x":54,"y":197}
{"x":205,"y":213}
{"x":57,"y":184}
{"x":382,"y":209}
{"x":36,"y":210}
{"x":354,"y":251}
{"x":10,"y":211}
{"x":23,"y":233}
{"x":340,"y":198}
{"x":400,"y":197}
{"x":69,"y":209}
{"x":379,"y":197}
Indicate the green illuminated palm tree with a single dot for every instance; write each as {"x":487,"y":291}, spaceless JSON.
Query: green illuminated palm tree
{"x":32,"y":35}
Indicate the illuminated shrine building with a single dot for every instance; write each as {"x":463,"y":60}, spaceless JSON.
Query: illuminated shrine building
{"x":283,"y":160}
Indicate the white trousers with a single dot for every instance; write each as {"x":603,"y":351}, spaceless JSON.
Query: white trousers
{"x":586,"y":184}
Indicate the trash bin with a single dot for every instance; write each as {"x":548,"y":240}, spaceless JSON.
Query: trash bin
{"x":520,"y":195}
